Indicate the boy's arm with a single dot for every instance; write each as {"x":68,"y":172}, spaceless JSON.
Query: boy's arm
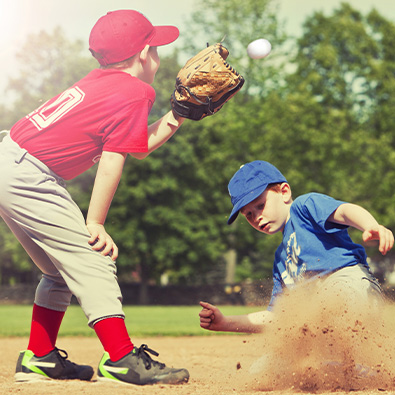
{"x":107,"y":179}
{"x":212,"y":319}
{"x":359,"y":218}
{"x":159,"y":132}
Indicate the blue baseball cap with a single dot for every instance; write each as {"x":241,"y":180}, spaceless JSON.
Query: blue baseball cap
{"x":249,"y":182}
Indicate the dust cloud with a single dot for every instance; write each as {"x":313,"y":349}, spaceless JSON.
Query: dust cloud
{"x":327,"y":339}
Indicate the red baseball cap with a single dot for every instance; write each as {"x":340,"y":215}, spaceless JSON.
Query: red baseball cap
{"x":119,"y":35}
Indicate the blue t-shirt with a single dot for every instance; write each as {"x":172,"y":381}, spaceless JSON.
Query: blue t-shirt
{"x":311,"y":245}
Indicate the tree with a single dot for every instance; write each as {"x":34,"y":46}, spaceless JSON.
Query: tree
{"x":171,"y":208}
{"x":168,"y":213}
{"x":238,"y":23}
{"x":49,"y":63}
{"x":326,"y":122}
{"x":334,"y":117}
{"x":228,"y":139}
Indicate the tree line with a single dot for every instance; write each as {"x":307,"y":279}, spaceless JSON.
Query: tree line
{"x":320,"y":107}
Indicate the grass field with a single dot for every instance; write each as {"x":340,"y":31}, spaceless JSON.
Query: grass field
{"x":141,"y":320}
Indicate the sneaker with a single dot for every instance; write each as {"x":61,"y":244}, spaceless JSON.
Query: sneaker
{"x":51,"y":366}
{"x":139,"y":368}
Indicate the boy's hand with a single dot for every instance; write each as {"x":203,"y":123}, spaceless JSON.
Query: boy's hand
{"x":356,"y":216}
{"x":384,"y":235}
{"x":211,"y":318}
{"x":101,"y":241}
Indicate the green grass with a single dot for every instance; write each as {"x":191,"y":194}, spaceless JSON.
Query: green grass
{"x":142,"y":321}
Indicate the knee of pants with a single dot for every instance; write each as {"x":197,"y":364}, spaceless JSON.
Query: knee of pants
{"x":53,"y":294}
{"x":373,"y":290}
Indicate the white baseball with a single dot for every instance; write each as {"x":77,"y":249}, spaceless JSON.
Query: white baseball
{"x":259,"y":49}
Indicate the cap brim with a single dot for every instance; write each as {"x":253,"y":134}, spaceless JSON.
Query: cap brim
{"x":164,"y":35}
{"x":244,"y":201}
{"x":233,"y":215}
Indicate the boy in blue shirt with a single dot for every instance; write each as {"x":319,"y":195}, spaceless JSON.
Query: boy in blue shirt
{"x":315,"y":245}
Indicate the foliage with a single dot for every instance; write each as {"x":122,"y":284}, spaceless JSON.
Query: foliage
{"x":238,"y":23}
{"x":339,"y":102}
{"x":52,"y":66}
{"x":49,"y":63}
{"x":323,"y":114}
{"x":178,"y":201}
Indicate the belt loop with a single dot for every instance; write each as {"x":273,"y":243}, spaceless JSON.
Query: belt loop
{"x":3,"y":133}
{"x":61,"y":181}
{"x":20,"y":156}
{"x":19,"y":152}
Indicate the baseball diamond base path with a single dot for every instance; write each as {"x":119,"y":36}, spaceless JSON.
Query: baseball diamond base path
{"x":218,"y":365}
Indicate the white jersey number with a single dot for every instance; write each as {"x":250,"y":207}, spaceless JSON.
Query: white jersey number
{"x":48,"y":114}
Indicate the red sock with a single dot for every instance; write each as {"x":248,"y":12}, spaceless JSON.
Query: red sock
{"x":114,"y":337}
{"x":44,"y":330}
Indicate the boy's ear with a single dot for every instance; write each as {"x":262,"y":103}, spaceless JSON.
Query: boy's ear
{"x":144,"y":54}
{"x":286,"y":192}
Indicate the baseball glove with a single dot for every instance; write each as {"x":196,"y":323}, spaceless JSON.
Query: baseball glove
{"x":205,"y":84}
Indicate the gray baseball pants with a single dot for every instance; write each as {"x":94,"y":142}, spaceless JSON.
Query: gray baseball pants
{"x":40,"y":212}
{"x":358,"y":278}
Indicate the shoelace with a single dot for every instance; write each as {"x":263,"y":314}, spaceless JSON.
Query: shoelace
{"x":142,"y":351}
{"x":64,"y":358}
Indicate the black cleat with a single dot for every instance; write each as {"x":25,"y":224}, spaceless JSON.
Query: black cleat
{"x":50,"y":366}
{"x":139,"y":368}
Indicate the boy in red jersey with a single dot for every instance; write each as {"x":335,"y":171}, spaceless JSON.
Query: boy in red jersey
{"x":101,"y":118}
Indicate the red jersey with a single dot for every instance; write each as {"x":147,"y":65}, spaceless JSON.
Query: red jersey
{"x":107,"y":110}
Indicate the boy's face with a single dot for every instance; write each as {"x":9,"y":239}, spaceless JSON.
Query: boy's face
{"x":269,"y":212}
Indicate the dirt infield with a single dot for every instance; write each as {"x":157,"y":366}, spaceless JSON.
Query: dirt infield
{"x":319,"y":340}
{"x":218,"y":365}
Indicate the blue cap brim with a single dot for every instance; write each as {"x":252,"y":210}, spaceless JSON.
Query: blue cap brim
{"x":244,"y":201}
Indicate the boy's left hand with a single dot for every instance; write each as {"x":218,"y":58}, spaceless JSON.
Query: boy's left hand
{"x":381,"y":233}
{"x":101,"y":241}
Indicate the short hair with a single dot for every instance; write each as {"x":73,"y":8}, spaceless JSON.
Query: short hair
{"x":123,"y":64}
{"x":276,"y":187}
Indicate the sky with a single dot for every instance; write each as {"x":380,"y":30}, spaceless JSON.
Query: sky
{"x":19,"y":18}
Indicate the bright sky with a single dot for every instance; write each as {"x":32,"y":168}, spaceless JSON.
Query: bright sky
{"x":18,"y":18}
